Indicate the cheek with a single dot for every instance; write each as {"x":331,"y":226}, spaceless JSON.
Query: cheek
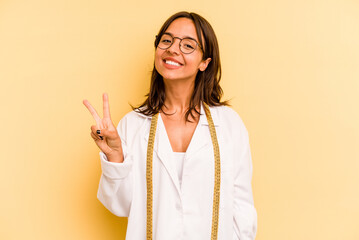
{"x":158,"y":57}
{"x":194,"y":62}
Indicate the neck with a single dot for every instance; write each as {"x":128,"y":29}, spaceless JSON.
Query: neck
{"x":178,"y":96}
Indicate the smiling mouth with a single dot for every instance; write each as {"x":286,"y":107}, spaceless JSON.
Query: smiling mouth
{"x":169,"y":62}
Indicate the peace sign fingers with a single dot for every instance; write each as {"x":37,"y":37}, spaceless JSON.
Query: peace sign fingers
{"x":105,"y":133}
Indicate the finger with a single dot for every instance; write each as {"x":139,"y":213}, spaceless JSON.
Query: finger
{"x":106,"y":106}
{"x":95,"y":136}
{"x":97,"y":132}
{"x":92,"y":111}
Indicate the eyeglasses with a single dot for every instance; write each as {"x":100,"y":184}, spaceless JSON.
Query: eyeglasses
{"x":187,"y":45}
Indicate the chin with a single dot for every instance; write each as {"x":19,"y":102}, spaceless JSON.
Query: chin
{"x":171,"y":77}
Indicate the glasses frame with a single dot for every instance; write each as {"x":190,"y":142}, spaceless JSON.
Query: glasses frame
{"x":197,"y":44}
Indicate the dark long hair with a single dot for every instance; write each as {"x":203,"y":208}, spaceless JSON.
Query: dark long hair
{"x":207,"y":88}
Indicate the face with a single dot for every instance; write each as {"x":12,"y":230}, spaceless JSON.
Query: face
{"x":171,"y":63}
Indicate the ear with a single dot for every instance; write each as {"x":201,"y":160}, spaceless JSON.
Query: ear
{"x":203,"y":65}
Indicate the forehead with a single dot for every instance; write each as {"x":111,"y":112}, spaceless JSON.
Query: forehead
{"x":182,"y":27}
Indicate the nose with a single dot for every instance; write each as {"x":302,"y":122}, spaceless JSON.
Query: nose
{"x":175,"y":48}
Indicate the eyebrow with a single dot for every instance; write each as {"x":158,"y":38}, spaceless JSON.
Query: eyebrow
{"x":183,"y":36}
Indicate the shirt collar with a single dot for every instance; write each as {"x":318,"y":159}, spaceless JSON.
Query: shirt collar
{"x":203,"y":118}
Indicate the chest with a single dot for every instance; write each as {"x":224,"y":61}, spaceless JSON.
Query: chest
{"x":179,"y":132}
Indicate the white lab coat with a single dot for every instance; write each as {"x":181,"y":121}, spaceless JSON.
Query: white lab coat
{"x":182,"y":212}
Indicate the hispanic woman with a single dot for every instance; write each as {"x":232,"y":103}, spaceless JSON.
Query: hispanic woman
{"x":179,"y":165}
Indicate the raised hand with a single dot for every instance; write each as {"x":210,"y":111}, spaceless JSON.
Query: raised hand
{"x":104,"y":133}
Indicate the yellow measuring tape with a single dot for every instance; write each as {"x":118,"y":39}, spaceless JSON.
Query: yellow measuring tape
{"x":217,"y":174}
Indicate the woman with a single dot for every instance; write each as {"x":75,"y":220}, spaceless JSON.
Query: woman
{"x":179,"y":166}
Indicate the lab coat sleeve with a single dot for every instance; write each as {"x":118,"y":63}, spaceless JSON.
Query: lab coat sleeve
{"x":245,"y":214}
{"x":115,"y":187}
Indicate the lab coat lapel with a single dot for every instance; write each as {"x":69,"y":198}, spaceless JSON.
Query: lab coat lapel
{"x":201,"y":138}
{"x":165,"y":153}
{"x":163,"y":149}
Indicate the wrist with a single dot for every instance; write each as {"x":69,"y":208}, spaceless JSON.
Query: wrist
{"x":115,"y":157}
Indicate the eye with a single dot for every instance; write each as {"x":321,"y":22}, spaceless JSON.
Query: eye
{"x":166,"y":40}
{"x":189,"y":46}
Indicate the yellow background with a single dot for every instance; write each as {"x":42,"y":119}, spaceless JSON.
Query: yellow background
{"x":290,"y":68}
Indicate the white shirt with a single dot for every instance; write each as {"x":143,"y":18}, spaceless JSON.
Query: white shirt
{"x":179,"y":159}
{"x":182,"y":212}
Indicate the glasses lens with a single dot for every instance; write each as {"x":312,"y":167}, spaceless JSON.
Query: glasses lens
{"x":165,"y":41}
{"x":188,"y":45}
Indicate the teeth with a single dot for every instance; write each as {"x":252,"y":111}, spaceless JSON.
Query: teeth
{"x":172,"y":63}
